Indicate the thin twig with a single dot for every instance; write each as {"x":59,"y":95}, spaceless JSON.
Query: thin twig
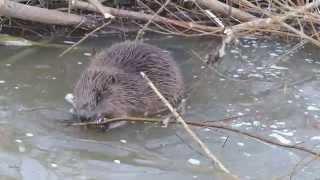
{"x":140,"y":32}
{"x":84,"y":38}
{"x":185,"y":125}
{"x":100,"y":7}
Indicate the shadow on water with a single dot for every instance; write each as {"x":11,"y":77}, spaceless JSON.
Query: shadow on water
{"x":280,"y":96}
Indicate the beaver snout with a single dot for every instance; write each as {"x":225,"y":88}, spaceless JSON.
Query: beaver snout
{"x":85,"y":115}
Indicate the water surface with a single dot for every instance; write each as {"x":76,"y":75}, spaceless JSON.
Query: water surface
{"x":278,"y":97}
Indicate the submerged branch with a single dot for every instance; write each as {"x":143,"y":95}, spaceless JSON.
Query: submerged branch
{"x":207,"y":125}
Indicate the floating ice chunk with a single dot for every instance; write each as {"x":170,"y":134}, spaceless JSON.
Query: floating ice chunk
{"x":117,"y":161}
{"x":29,"y":134}
{"x":278,"y":67}
{"x":280,"y":138}
{"x":255,"y":75}
{"x":244,"y":57}
{"x":223,"y":137}
{"x":123,"y":141}
{"x":273,"y":126}
{"x":281,"y":123}
{"x":315,"y":138}
{"x":242,"y":124}
{"x":256,"y":123}
{"x":274,"y":54}
{"x":195,"y":162}
{"x":87,"y":54}
{"x":69,"y":98}
{"x":283,"y":133}
{"x":22,"y":149}
{"x":309,"y":60}
{"x":279,"y":50}
{"x":313,"y":108}
{"x":233,"y":51}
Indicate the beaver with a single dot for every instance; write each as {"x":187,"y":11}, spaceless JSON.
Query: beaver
{"x":112,"y":86}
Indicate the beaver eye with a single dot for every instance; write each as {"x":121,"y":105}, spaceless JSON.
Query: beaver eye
{"x":98,"y":97}
{"x":112,"y":79}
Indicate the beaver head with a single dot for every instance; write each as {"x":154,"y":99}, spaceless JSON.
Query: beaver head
{"x":92,"y":93}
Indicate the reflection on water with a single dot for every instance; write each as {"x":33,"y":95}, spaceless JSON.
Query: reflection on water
{"x":278,"y":94}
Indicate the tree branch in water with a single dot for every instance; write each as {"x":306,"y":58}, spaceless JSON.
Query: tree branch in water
{"x":207,"y":125}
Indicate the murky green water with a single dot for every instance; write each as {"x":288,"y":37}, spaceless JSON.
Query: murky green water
{"x":280,"y":98}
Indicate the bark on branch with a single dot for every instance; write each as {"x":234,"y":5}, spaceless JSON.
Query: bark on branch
{"x":146,"y":17}
{"x":31,"y":13}
{"x":224,"y":9}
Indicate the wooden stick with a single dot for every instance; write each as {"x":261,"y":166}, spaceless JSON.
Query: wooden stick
{"x":146,"y":17}
{"x":99,"y":6}
{"x":32,"y":13}
{"x":222,"y":8}
{"x":185,"y":125}
{"x":83,"y":38}
{"x":140,"y":32}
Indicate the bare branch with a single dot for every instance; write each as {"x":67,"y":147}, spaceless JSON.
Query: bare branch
{"x":222,"y":8}
{"x":32,"y":13}
{"x":185,"y":125}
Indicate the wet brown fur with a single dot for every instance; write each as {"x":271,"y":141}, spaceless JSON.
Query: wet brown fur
{"x":112,"y":86}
